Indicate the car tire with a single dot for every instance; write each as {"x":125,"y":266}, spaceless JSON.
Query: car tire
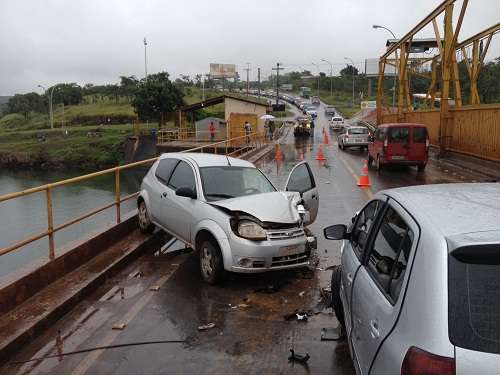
{"x":378,"y":164}
{"x":211,"y":262}
{"x":421,"y":167}
{"x":143,"y":220}
{"x":336,"y":301}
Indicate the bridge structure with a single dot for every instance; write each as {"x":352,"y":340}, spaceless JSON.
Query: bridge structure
{"x":454,"y":124}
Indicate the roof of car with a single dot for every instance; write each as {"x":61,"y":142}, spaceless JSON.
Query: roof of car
{"x":453,"y":209}
{"x":208,"y":160}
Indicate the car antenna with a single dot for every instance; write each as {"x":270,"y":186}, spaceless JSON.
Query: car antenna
{"x":228,"y":162}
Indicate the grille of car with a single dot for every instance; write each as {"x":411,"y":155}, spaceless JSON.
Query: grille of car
{"x":290,"y":259}
{"x":285,"y":234}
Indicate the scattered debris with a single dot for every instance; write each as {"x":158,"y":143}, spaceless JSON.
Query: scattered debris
{"x":302,"y":293}
{"x":243,"y":305}
{"x":137,"y":273}
{"x":119,"y":326}
{"x":332,"y":334}
{"x":320,"y":269}
{"x":295,"y":357}
{"x":122,"y":292}
{"x":175,"y":264}
{"x":154,"y":288}
{"x":329,"y":268}
{"x":206,"y":326}
{"x":302,"y":317}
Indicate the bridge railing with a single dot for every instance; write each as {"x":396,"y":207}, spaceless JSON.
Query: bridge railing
{"x":231,"y":146}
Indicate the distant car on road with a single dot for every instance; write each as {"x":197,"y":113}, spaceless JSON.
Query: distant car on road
{"x":303,"y":126}
{"x":417,"y":291}
{"x":400,"y":143}
{"x":336,"y":123}
{"x":227,"y":210}
{"x":330,"y":110}
{"x":315,"y":100}
{"x":311,"y":111}
{"x":354,"y":136}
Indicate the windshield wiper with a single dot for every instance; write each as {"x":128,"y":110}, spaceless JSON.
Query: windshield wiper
{"x":215,"y":195}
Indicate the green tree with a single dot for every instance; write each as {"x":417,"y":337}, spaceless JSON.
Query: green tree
{"x":24,"y":104}
{"x":349,"y":70}
{"x":156,"y":97}
{"x":66,"y":93}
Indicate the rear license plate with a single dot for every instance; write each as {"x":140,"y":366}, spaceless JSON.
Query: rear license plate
{"x":291,"y":250}
{"x":398,"y":157}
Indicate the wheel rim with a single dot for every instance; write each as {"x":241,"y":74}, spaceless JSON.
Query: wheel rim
{"x":143,"y":216}
{"x":207,"y":261}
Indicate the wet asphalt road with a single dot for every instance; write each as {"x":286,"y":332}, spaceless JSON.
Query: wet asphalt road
{"x":250,"y":335}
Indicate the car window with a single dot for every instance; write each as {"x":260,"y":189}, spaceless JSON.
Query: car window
{"x":182,"y":176}
{"x":399,"y":135}
{"x":390,"y":253}
{"x":380,"y":134}
{"x":362,"y":225}
{"x":164,"y":169}
{"x":419,"y":135}
{"x":358,"y":131}
{"x":300,"y":180}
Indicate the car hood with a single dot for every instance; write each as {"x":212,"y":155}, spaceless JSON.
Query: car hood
{"x":276,"y":207}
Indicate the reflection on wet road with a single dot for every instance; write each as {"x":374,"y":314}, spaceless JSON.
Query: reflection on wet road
{"x":251,"y":335}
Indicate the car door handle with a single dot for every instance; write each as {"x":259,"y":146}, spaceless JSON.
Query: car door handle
{"x":164,"y":194}
{"x":374,"y":329}
{"x":349,"y":278}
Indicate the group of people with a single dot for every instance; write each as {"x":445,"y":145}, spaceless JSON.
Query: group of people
{"x":247,"y":127}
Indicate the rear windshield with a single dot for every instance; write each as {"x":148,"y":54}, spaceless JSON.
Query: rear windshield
{"x":358,"y":131}
{"x":398,"y":135}
{"x":419,"y":135}
{"x":337,"y":119}
{"x":474,"y":298}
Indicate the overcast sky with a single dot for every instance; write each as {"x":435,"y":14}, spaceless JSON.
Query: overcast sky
{"x":96,"y":41}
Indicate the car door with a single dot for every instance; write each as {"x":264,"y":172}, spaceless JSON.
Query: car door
{"x":418,"y":144}
{"x":380,"y":282}
{"x":159,"y":188}
{"x":353,"y":252}
{"x":178,"y":213}
{"x":399,"y":143}
{"x":301,"y":180}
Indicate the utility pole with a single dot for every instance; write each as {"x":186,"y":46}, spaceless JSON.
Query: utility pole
{"x":331,"y":76}
{"x":51,"y":110}
{"x":278,"y":68}
{"x":145,"y":60}
{"x":203,"y":87}
{"x":395,"y":72}
{"x":317,"y":67}
{"x":258,"y":80}
{"x":352,"y":66}
{"x":248,"y":82}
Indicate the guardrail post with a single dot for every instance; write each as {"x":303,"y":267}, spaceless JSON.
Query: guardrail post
{"x":117,"y":195}
{"x":50,"y":224}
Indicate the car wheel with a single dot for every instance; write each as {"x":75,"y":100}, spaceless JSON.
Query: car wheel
{"x":378,"y":165}
{"x":336,"y":301}
{"x":143,"y":221}
{"x":421,"y":167}
{"x":211,"y":262}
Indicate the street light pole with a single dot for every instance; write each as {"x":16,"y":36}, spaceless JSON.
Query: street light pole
{"x":352,"y":62}
{"x":51,"y":112}
{"x":395,"y":75}
{"x":331,"y":76}
{"x":145,"y":59}
{"x":317,"y":67}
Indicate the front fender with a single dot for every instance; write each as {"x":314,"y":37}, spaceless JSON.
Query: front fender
{"x":221,"y":237}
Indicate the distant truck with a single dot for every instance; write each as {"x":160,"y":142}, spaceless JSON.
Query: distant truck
{"x":315,"y":100}
{"x":306,"y":92}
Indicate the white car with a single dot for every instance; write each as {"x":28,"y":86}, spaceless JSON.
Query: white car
{"x":227,"y":210}
{"x":312,"y":112}
{"x":336,"y":123}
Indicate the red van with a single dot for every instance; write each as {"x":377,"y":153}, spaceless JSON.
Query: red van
{"x":400,"y":143}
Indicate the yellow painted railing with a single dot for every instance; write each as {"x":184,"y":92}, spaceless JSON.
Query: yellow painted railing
{"x":232,"y":146}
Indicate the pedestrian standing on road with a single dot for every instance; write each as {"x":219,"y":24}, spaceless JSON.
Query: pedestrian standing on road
{"x":248,"y":129}
{"x":211,"y":129}
{"x":271,"y":130}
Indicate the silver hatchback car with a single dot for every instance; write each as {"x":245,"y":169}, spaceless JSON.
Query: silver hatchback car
{"x":230,"y":212}
{"x":418,"y":289}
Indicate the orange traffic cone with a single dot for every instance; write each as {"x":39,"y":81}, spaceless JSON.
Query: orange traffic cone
{"x":364,"y":180}
{"x":320,"y":155}
{"x":326,"y":140}
{"x":278,"y":155}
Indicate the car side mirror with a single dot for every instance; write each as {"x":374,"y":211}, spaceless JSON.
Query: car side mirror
{"x":336,"y":232}
{"x":186,"y":192}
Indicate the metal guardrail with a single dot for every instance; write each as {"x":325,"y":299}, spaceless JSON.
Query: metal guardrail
{"x":230,"y":146}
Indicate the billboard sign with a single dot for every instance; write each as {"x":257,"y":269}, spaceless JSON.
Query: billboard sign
{"x":223,"y":70}
{"x":371,"y":68}
{"x":368,"y":104}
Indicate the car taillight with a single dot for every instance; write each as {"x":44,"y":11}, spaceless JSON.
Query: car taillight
{"x":420,"y":362}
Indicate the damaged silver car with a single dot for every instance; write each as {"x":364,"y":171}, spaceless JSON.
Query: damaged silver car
{"x":229,"y":211}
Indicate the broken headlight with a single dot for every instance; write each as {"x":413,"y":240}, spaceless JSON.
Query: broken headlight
{"x":251,"y":231}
